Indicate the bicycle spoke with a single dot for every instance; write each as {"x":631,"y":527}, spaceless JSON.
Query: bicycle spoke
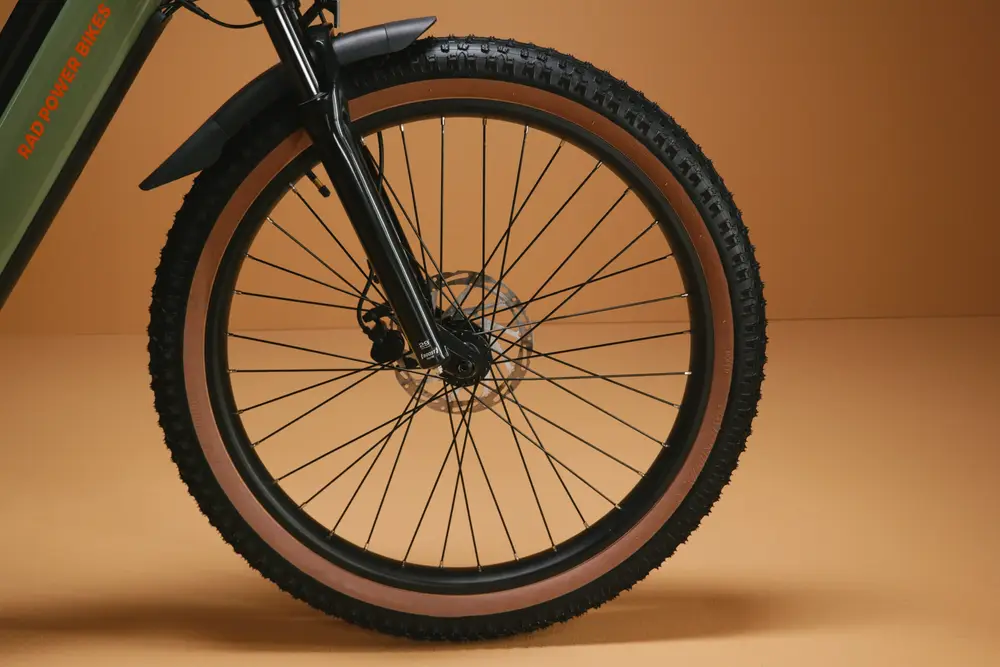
{"x":392,"y":473}
{"x":311,"y":411}
{"x":475,"y":450}
{"x":510,"y":223}
{"x":506,"y":236}
{"x":582,"y":285}
{"x":339,"y":475}
{"x":545,"y":451}
{"x":615,"y":343}
{"x":597,"y":376}
{"x":384,"y":443}
{"x":289,"y":346}
{"x":582,"y":439}
{"x":310,"y":279}
{"x":441,"y":238}
{"x":559,"y":212}
{"x":437,"y":480}
{"x":552,"y":465}
{"x":592,"y":282}
{"x":482,"y":272}
{"x":571,"y":254}
{"x":351,"y":441}
{"x":459,"y":479}
{"x":412,"y":371}
{"x":546,"y":227}
{"x":451,"y":295}
{"x":303,"y":390}
{"x":538,"y":181}
{"x":590,"y":403}
{"x":389,"y":369}
{"x":634,"y":304}
{"x":592,"y":377}
{"x":413,"y":196}
{"x":364,"y":274}
{"x":274,"y":297}
{"x":472,"y":530}
{"x":577,"y":247}
{"x":356,"y":292}
{"x":527,"y":472}
{"x":517,"y":178}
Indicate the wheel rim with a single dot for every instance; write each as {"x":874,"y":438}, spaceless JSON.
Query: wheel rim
{"x":479,"y":578}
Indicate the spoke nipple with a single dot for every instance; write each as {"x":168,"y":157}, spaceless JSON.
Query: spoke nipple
{"x":687,"y":372}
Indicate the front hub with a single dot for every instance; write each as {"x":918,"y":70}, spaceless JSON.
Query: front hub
{"x":495,"y":324}
{"x":468,"y":372}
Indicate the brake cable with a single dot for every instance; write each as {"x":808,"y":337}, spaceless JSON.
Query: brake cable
{"x":198,"y":11}
{"x":332,"y":6}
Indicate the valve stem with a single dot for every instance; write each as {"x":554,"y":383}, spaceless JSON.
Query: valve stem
{"x":323,"y":190}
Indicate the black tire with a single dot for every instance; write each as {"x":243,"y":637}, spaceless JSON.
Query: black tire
{"x":487,"y":59}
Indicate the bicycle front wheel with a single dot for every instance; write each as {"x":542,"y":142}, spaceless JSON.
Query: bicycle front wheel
{"x":562,"y":223}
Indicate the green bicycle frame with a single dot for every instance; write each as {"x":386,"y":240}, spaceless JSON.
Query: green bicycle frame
{"x":65,"y":66}
{"x":73,"y":61}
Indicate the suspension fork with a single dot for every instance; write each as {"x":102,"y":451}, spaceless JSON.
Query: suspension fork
{"x":309,"y":58}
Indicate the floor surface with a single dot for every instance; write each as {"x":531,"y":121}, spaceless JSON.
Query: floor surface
{"x":860,"y":529}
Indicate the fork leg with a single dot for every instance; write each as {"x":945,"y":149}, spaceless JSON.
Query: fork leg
{"x":326,"y":119}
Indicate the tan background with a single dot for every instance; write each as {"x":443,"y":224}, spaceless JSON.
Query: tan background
{"x":857,"y":136}
{"x":860,"y":527}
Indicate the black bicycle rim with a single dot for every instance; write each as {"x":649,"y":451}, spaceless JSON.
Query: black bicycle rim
{"x":488,"y":578}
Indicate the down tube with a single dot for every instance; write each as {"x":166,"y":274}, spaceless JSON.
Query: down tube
{"x":51,"y":114}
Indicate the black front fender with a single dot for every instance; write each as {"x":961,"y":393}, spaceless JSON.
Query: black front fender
{"x":204,"y":147}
